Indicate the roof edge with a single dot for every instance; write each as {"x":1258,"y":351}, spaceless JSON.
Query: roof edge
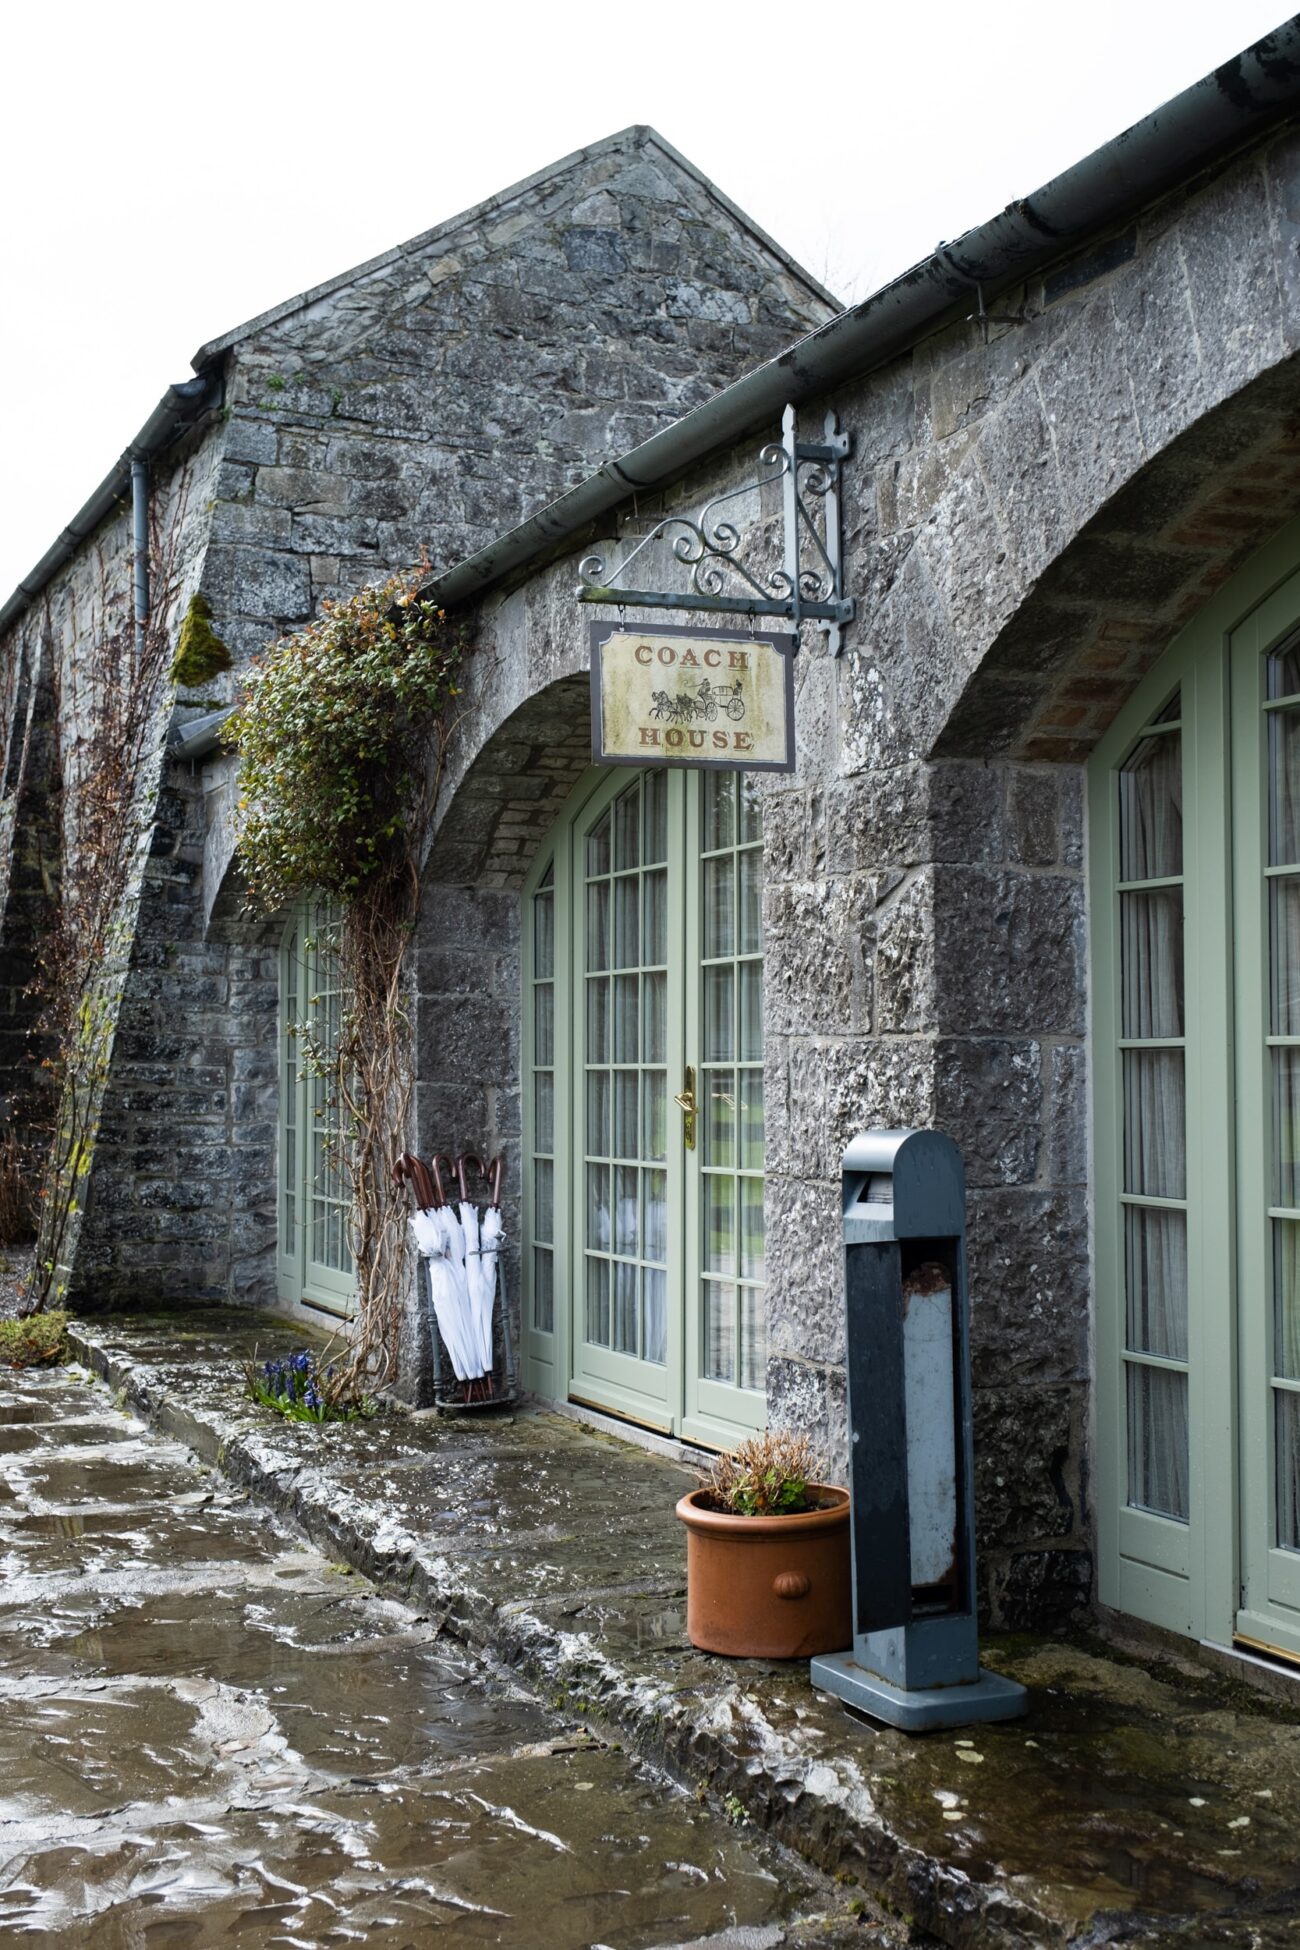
{"x":180,"y":406}
{"x":635,"y":135}
{"x":1223,"y":112}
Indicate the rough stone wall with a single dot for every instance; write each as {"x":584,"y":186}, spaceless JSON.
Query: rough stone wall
{"x":433,"y":401}
{"x":59,"y":666}
{"x":424,"y":404}
{"x":1029,"y":521}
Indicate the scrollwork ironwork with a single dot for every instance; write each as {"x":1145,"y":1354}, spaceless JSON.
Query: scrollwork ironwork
{"x":807,"y":588}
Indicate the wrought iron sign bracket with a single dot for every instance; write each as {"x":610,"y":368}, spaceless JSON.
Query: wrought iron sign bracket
{"x":808,"y":588}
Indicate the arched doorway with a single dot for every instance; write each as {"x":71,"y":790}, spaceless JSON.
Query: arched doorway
{"x":643,"y":1080}
{"x":1195,"y":835}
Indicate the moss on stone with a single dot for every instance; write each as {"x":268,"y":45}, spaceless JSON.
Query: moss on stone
{"x":200,"y":653}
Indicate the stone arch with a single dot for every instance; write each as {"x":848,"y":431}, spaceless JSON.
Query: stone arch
{"x":1108,"y":604}
{"x":493,"y":818}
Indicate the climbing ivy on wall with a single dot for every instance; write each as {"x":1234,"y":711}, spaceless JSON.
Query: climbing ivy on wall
{"x":340,"y":730}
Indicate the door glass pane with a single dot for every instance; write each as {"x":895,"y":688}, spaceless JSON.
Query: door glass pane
{"x":1284,"y":787}
{"x":625,"y":1109}
{"x":654,"y":828}
{"x":1284,"y":959}
{"x":625,"y":1295}
{"x":543,"y":1291}
{"x":598,"y":1301}
{"x":655,"y":952}
{"x":598,"y":925}
{"x":1151,"y":809}
{"x":1157,"y":1441}
{"x":753,"y":1338}
{"x":1283,"y":669}
{"x":544,"y":1111}
{"x":751,"y":1120}
{"x":656,"y":1216}
{"x":598,"y":1125}
{"x":719,"y":811}
{"x":1286,"y":1126}
{"x":750,"y":894}
{"x":656,"y":1315}
{"x":543,"y":935}
{"x":1151,"y":963}
{"x":1155,"y":1252}
{"x":750,"y":1045}
{"x":719,"y":906}
{"x":720,"y":1224}
{"x":597,"y":1022}
{"x":719,"y":1331}
{"x":720,"y":1119}
{"x":627,"y":828}
{"x":1155,"y":1159}
{"x":1286,"y":1298}
{"x":1286,"y":1431}
{"x":627,"y":922}
{"x":753,"y":1263}
{"x":598,"y":1206}
{"x":627,"y":1010}
{"x":544,"y":1199}
{"x":654,"y":1097}
{"x":627,"y":1226}
{"x":751,"y":809}
{"x":598,"y":847}
{"x":654,"y":1019}
{"x":719,"y":984}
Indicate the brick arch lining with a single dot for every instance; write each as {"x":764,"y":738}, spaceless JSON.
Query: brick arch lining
{"x":1111,"y":602}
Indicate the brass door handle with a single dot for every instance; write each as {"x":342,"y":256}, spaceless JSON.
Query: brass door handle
{"x":690,"y":1109}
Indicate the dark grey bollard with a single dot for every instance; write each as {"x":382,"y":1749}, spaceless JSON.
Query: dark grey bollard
{"x":915,"y":1657}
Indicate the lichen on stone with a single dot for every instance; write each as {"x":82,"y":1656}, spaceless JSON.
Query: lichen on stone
{"x":200,"y":653}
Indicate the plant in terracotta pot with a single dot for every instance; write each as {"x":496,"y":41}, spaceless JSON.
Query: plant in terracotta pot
{"x":767,"y":1554}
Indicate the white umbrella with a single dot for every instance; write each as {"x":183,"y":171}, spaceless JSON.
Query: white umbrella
{"x":448,"y":1301}
{"x":473,"y":1261}
{"x":485,"y":1294}
{"x":485,"y":1284}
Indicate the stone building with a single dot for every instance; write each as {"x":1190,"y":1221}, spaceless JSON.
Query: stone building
{"x":1029,"y":881}
{"x":416,"y":405}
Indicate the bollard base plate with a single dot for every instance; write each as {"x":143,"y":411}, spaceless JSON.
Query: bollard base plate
{"x":990,"y":1697}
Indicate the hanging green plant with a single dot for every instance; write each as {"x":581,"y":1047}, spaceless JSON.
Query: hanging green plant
{"x":340,"y":730}
{"x":200,"y":653}
{"x":335,"y":730}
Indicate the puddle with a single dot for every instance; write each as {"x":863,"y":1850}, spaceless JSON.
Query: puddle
{"x":210,"y":1736}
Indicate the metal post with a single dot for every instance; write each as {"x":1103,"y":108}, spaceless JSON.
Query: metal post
{"x":915,"y":1657}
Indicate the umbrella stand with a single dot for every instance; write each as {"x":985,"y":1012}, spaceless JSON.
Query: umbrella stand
{"x":498,"y":1386}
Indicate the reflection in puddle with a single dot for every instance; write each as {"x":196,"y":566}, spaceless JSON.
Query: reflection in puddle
{"x":211,"y":1737}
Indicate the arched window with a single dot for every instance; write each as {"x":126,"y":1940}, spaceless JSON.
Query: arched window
{"x":314,"y":1258}
{"x":644,"y":1250}
{"x":1195,"y":893}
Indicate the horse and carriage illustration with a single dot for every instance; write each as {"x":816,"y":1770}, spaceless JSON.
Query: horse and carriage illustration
{"x":710,"y":699}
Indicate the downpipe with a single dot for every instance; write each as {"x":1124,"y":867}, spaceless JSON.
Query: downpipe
{"x":140,"y":550}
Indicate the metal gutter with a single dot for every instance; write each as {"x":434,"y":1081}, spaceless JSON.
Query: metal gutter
{"x":198,"y":738}
{"x":1227,"y":110}
{"x":179,"y":407}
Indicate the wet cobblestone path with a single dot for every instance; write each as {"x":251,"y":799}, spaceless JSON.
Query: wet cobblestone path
{"x":210,"y":1735}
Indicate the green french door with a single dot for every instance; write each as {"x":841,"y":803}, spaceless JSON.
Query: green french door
{"x":644,"y":1250}
{"x":1195,"y":862}
{"x":313,"y":1252}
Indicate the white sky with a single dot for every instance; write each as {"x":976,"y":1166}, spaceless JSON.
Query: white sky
{"x":171,"y":170}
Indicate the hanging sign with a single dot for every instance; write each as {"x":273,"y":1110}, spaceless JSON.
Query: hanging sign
{"x":692,"y":697}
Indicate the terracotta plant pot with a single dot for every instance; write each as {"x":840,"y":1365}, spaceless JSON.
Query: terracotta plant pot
{"x":768,"y":1587}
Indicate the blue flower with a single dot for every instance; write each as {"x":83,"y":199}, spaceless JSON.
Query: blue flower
{"x":302,"y":1362}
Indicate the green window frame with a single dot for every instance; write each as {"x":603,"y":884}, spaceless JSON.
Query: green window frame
{"x":1198,"y":1541}
{"x":314,"y":1266}
{"x":643,"y":1261}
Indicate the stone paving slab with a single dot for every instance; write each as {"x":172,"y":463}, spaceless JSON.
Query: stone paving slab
{"x":1151,"y":1805}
